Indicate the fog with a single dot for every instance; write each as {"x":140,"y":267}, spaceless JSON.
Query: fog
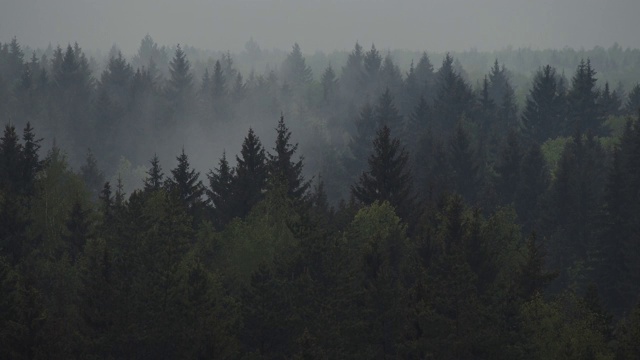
{"x":324,"y":25}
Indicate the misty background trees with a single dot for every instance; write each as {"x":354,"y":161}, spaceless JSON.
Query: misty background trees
{"x":360,"y":204}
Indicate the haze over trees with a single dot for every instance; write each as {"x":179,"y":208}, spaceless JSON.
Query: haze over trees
{"x":169,"y":207}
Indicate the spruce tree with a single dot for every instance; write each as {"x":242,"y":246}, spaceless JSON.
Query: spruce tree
{"x":387,"y":114}
{"x":185,"y":183}
{"x":632,"y":106}
{"x":329,"y":84}
{"x":10,"y":160}
{"x":610,"y":102}
{"x":220,"y":192}
{"x":283,"y":168}
{"x":388,"y":177}
{"x":453,"y":98}
{"x":585,"y":112}
{"x":542,"y":117}
{"x":295,"y":70}
{"x":178,"y":90}
{"x":30,"y":159}
{"x":155,"y":176}
{"x":251,"y":174}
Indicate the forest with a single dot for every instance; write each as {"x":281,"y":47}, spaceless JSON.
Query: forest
{"x":184,"y":203}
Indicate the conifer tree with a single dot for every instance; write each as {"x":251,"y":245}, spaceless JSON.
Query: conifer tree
{"x":386,"y":113}
{"x":251,"y":174}
{"x":329,"y":84}
{"x":10,"y":160}
{"x":388,"y":177}
{"x":179,"y":86}
{"x":282,"y":166}
{"x":425,"y":77}
{"x":31,"y":160}
{"x":155,"y":176}
{"x":610,"y":102}
{"x":220,"y":192}
{"x":543,"y":117}
{"x":353,"y":75}
{"x":185,"y":183}
{"x":295,"y":70}
{"x":453,"y":98}
{"x":585,"y":112}
{"x":218,"y":83}
{"x":632,"y":105}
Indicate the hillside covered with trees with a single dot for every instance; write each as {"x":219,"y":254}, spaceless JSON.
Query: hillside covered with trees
{"x":155,"y":207}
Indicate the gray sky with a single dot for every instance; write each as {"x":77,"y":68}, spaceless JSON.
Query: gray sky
{"x":435,"y":25}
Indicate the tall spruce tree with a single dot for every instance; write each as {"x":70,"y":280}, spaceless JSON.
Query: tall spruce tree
{"x":283,"y":168}
{"x":294,"y":68}
{"x":584,"y":109}
{"x":388,"y":177}
{"x":155,"y":176}
{"x":185,"y":183}
{"x":251,"y":174}
{"x":220,"y":192}
{"x":543,"y":116}
{"x":453,"y":98}
{"x":632,"y":106}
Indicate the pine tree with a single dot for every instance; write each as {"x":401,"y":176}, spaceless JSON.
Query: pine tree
{"x":251,"y":174}
{"x":425,"y":77}
{"x":220,"y":192}
{"x":632,"y":105}
{"x":185,"y":183}
{"x":329,"y":84}
{"x":610,"y":102}
{"x":386,"y":113}
{"x":583,"y":98}
{"x":453,"y":98}
{"x":486,"y":112}
{"x":372,"y":62}
{"x":388,"y":177}
{"x":155,"y":176}
{"x":417,"y":124}
{"x":543,"y":118}
{"x":282,"y":167}
{"x":295,"y":70}
{"x":10,"y":160}
{"x":179,"y":86}
{"x":353,"y":74}
{"x":31,"y":160}
{"x":218,"y":83}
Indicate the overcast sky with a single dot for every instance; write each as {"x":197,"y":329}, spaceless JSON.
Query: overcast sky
{"x":435,"y":25}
